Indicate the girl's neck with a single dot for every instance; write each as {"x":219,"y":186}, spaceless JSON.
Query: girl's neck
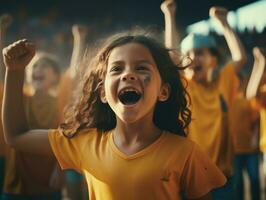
{"x":139,"y":132}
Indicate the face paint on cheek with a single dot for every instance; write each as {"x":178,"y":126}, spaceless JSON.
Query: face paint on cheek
{"x":147,"y":79}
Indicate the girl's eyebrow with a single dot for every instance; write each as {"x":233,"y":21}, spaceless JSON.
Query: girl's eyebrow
{"x":117,"y":62}
{"x":144,"y":62}
{"x":136,"y":62}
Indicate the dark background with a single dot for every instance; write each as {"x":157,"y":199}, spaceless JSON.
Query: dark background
{"x":48,"y":22}
{"x":123,"y":12}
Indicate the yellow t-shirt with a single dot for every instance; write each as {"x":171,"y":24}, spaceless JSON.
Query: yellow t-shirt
{"x":209,"y":126}
{"x":160,"y":171}
{"x":263,"y":130}
{"x":242,"y":127}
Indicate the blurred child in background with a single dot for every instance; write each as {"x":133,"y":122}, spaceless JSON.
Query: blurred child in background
{"x":28,"y":176}
{"x":212,"y":87}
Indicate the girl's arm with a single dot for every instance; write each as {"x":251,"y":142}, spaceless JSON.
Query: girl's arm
{"x":235,"y":46}
{"x":256,"y":74}
{"x":17,"y":134}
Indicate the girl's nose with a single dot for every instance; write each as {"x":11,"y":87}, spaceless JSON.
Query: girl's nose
{"x":129,"y":77}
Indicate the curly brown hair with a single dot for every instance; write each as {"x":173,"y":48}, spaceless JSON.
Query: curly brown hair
{"x":88,"y":111}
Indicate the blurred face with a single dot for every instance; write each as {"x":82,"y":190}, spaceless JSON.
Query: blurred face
{"x":202,"y":66}
{"x":133,"y":84}
{"x":43,"y":77}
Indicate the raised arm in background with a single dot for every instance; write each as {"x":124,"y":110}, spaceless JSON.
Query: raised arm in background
{"x":70,"y":77}
{"x":5,"y":21}
{"x":79,"y":45}
{"x":256,"y":74}
{"x":17,"y":134}
{"x":236,"y":48}
{"x":172,"y":38}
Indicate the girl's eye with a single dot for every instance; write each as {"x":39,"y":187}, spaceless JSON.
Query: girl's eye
{"x":142,"y":68}
{"x":115,"y":69}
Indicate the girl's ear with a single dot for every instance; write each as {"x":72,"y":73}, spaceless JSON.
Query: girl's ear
{"x":165,"y":92}
{"x":102,"y":95}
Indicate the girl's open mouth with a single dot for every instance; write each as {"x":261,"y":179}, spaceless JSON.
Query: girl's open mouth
{"x":129,"y":97}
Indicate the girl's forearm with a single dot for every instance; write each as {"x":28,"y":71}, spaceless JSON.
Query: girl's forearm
{"x":13,"y":114}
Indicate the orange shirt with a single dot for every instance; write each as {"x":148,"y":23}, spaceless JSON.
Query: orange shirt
{"x":170,"y":165}
{"x":209,"y":126}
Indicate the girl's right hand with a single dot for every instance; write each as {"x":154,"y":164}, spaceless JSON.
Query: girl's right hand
{"x":18,"y":55}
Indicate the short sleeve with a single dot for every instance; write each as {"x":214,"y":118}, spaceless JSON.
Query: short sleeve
{"x":200,"y":175}
{"x":66,"y":150}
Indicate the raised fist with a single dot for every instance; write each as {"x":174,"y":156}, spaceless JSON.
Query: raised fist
{"x":168,"y":6}
{"x":18,"y":55}
{"x":79,"y":30}
{"x":218,"y":13}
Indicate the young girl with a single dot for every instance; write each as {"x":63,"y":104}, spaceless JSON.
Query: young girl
{"x":126,"y":131}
